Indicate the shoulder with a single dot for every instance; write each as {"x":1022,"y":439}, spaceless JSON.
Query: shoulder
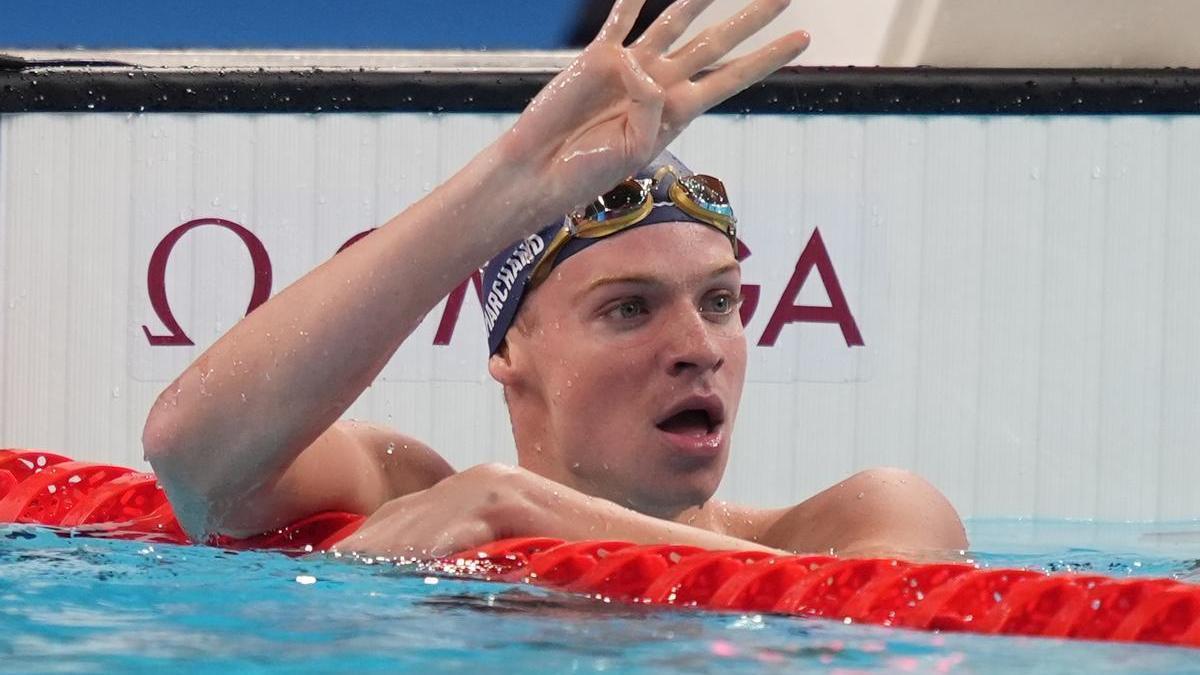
{"x":880,"y":510}
{"x":408,"y":465}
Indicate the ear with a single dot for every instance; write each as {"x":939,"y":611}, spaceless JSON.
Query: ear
{"x":503,"y":367}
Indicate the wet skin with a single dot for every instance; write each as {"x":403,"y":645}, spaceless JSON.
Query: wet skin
{"x":618,"y":338}
{"x":248,"y":438}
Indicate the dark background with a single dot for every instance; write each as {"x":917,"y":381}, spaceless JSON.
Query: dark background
{"x":310,"y":24}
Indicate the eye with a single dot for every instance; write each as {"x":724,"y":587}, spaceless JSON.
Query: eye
{"x":721,"y":303}
{"x":625,"y":310}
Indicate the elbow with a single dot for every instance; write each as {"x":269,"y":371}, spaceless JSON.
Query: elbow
{"x":156,"y":436}
{"x":160,"y":434}
{"x":162,"y":443}
{"x":169,"y":447}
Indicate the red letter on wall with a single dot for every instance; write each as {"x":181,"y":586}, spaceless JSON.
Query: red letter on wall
{"x":454,"y":301}
{"x":814,"y":255}
{"x":156,"y":277}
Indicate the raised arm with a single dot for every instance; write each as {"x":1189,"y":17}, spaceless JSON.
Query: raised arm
{"x":228,"y":430}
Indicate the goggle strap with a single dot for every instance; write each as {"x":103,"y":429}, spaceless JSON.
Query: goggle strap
{"x":542,"y":268}
{"x":664,"y":170}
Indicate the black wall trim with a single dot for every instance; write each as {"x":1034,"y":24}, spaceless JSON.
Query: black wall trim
{"x":791,"y":91}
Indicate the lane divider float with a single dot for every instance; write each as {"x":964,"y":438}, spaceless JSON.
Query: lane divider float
{"x":102,"y":500}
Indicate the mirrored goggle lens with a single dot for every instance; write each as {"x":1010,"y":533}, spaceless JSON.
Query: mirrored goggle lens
{"x":626,"y":197}
{"x":706,"y":189}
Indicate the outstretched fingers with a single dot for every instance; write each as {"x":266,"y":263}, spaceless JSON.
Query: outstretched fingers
{"x":620,"y":21}
{"x":644,"y":113}
{"x":667,"y":28}
{"x":744,"y":71}
{"x":716,"y":41}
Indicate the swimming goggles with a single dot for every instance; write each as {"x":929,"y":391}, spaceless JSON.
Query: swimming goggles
{"x":699,"y":196}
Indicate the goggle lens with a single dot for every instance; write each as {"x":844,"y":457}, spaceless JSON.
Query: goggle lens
{"x":703,"y":197}
{"x":708,"y":193}
{"x":707,"y":189}
{"x":626,"y":197}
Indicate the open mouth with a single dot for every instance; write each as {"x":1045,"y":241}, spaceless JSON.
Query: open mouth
{"x":690,"y":422}
{"x":693,"y":417}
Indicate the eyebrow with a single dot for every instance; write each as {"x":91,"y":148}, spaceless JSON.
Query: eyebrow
{"x":651,"y":281}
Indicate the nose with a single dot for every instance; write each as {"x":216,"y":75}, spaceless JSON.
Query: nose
{"x":690,"y":345}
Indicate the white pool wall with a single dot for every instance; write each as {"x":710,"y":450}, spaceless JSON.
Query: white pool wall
{"x":1026,"y":289}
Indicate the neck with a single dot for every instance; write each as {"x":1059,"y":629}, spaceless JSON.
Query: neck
{"x":537,"y":454}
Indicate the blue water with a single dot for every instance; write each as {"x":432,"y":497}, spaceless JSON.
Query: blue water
{"x":88,"y":605}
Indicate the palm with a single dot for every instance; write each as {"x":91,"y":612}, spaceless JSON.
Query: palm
{"x":598,"y":120}
{"x":614,"y":108}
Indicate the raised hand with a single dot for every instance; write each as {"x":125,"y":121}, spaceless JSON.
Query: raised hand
{"x":615,"y":108}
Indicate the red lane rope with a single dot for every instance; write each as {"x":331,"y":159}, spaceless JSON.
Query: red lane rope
{"x":929,"y":596}
{"x":101,"y":500}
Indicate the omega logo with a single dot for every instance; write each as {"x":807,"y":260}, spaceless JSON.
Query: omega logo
{"x":814,"y":257}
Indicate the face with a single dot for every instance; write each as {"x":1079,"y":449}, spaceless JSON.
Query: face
{"x":624,"y":370}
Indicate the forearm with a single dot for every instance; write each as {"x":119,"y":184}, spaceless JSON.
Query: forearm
{"x":544,"y":508}
{"x":488,"y":502}
{"x":281,"y":376}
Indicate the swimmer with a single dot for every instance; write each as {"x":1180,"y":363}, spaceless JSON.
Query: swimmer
{"x":614,"y":332}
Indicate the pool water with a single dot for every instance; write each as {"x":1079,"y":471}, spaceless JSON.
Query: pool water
{"x":91,"y":605}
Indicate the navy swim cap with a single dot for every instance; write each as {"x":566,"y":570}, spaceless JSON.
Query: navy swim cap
{"x":506,"y":275}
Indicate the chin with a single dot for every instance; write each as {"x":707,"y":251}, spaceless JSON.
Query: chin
{"x":698,"y":475}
